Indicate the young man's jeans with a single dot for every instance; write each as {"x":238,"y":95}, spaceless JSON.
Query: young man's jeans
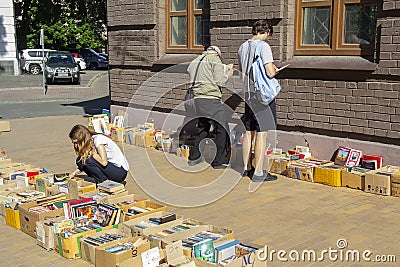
{"x":100,"y":173}
{"x":211,"y":111}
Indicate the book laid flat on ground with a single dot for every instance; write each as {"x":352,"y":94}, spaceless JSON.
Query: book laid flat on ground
{"x":110,"y":186}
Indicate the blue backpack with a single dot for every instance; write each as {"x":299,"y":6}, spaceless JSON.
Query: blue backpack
{"x":266,"y":88}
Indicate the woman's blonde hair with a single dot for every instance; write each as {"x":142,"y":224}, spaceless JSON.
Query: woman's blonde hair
{"x":84,"y":141}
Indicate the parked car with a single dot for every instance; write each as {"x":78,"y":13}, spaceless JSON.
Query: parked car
{"x":61,"y":66}
{"x":79,"y":59}
{"x":104,"y":55}
{"x":31,"y":60}
{"x":93,"y":59}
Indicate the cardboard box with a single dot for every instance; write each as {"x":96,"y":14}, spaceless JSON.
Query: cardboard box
{"x":379,"y":181}
{"x":2,"y":210}
{"x":301,"y":171}
{"x":354,"y":179}
{"x":328,"y":174}
{"x":304,"y":169}
{"x":145,"y":204}
{"x":89,"y":250}
{"x":117,"y":134}
{"x":45,"y":231}
{"x":279,"y":165}
{"x":124,"y":201}
{"x":155,"y":228}
{"x":145,"y":139}
{"x":28,"y":218}
{"x":248,"y":260}
{"x":5,"y":126}
{"x":70,"y":247}
{"x":200,"y":227}
{"x":174,"y":255}
{"x":12,"y":216}
{"x":183,"y":151}
{"x":107,"y":259}
{"x":395,"y":186}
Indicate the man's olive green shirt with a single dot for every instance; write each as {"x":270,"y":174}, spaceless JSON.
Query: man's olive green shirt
{"x":210,"y":76}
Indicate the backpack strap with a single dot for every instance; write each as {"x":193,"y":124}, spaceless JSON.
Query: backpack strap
{"x":257,"y":54}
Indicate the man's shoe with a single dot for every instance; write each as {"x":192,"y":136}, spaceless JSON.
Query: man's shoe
{"x":265,"y":177}
{"x":222,"y":166}
{"x":248,"y":173}
{"x":195,"y":161}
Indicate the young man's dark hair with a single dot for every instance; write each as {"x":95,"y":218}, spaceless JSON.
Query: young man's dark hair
{"x":262,"y":26}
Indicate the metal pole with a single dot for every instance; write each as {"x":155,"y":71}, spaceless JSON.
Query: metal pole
{"x":42,"y":43}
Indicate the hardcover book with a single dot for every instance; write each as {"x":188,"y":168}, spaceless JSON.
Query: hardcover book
{"x":371,"y":162}
{"x":347,"y":157}
{"x":204,"y":250}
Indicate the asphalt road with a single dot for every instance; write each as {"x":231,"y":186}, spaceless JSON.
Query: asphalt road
{"x":36,"y":81}
{"x":23,"y":96}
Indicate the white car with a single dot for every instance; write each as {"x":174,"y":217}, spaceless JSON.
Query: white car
{"x":31,"y":60}
{"x":79,"y":59}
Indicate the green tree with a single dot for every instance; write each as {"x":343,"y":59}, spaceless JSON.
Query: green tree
{"x":66,"y":23}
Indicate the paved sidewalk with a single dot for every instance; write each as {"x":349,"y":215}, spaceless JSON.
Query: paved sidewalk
{"x":285,"y":215}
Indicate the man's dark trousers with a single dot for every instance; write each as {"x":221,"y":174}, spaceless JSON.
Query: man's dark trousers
{"x":211,"y":111}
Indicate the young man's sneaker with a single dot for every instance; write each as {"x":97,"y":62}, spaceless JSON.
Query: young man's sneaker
{"x":195,"y":161}
{"x":265,"y":177}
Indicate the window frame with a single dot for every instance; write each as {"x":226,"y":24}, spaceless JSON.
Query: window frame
{"x":191,"y":14}
{"x":336,"y":35}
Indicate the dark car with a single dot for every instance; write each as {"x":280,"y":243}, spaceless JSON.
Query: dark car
{"x":61,"y":66}
{"x":93,"y":59}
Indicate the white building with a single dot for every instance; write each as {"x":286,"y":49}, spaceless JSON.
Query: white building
{"x":8,"y":46}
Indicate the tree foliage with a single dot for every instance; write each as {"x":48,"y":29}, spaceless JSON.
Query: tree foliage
{"x":66,"y":23}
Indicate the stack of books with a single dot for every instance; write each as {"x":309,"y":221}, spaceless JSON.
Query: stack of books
{"x":111,"y":187}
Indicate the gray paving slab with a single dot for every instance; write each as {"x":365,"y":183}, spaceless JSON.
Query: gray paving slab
{"x":284,"y":215}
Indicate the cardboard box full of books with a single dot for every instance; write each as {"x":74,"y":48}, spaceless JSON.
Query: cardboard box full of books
{"x":379,"y":181}
{"x":279,"y":165}
{"x":154,"y":222}
{"x":70,"y":246}
{"x":141,"y":208}
{"x":354,"y":178}
{"x":101,"y":239}
{"x":45,"y":231}
{"x":304,"y":169}
{"x":30,"y":213}
{"x":12,"y":215}
{"x":241,"y":255}
{"x":117,"y":134}
{"x":328,"y":174}
{"x":123,"y":201}
{"x":113,"y":253}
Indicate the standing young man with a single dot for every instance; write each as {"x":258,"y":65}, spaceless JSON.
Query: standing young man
{"x":259,"y":118}
{"x":210,"y":75}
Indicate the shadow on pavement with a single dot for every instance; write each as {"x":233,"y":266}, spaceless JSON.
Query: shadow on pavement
{"x":94,"y":106}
